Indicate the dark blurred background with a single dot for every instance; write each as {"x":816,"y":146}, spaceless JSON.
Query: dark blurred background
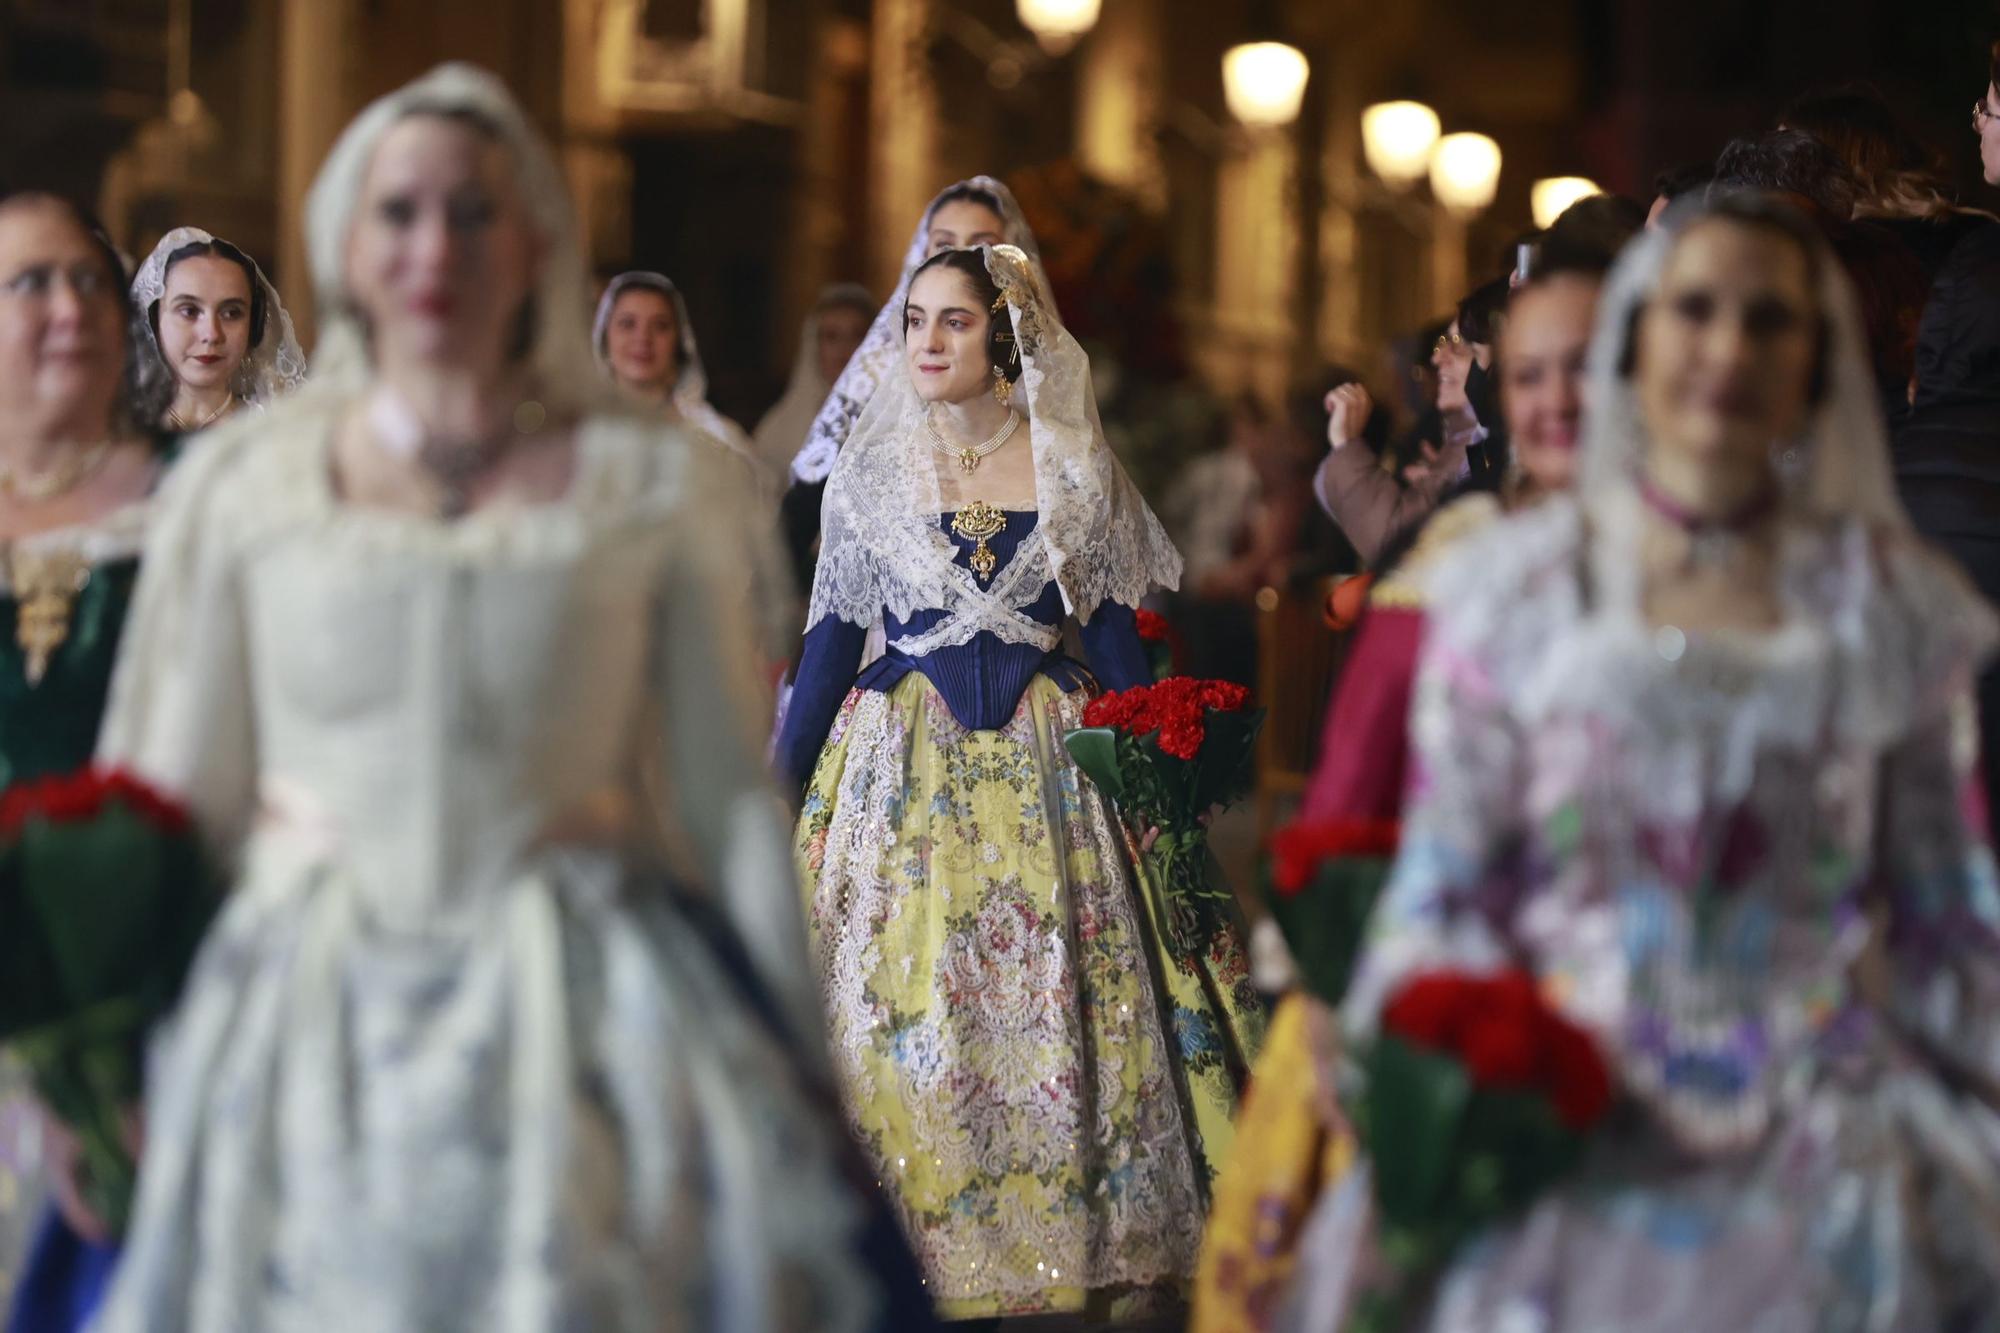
{"x":757,"y":149}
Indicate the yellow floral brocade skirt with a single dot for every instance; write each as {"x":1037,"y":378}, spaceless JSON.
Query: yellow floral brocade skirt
{"x":1039,"y":1084}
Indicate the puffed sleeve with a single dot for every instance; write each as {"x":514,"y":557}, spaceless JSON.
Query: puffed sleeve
{"x":828,"y":665}
{"x":1113,"y":649}
{"x":180,"y":712}
{"x":1943,"y":927}
{"x":1458,"y":870}
{"x":716,"y":713}
{"x":1934,"y":863}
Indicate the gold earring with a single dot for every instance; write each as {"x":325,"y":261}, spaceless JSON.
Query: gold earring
{"x":1003,"y":388}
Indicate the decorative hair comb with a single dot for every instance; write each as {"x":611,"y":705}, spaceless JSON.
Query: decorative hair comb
{"x":1017,"y":289}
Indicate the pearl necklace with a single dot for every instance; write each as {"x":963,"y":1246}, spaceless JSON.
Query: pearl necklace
{"x":185,"y":427}
{"x":64,"y":477}
{"x":969,"y":456}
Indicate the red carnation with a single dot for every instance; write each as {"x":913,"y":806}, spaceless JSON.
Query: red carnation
{"x":1152,"y":626}
{"x":1499,"y":1050}
{"x":1181,"y":738}
{"x":1427,"y":1010}
{"x":1224,"y":695}
{"x":154,"y":805}
{"x":1299,"y":848}
{"x":1111,"y":709}
{"x":1577,"y":1081}
{"x":1506,"y":1035}
{"x":81,"y":795}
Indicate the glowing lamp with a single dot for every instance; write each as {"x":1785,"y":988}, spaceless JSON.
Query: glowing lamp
{"x":1552,"y":195}
{"x":1264,"y":82}
{"x":1465,"y":171}
{"x":1397,"y":138}
{"x":1057,"y":24}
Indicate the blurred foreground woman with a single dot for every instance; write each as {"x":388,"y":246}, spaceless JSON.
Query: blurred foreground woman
{"x":508,"y":1022}
{"x":1691,"y":749}
{"x":76,"y":480}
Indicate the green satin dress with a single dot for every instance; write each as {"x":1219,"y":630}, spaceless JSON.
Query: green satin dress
{"x":50,"y":727}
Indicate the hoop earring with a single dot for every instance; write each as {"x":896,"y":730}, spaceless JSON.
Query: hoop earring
{"x":1003,"y":388}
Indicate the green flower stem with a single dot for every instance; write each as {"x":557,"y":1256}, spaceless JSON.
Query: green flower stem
{"x":88,"y":1082}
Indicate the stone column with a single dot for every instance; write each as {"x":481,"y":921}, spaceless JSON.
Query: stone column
{"x":1120,"y":78}
{"x":903,"y":110}
{"x":317,"y":39}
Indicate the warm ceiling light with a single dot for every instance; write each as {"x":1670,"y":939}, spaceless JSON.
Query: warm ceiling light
{"x":1057,"y":23}
{"x":1264,"y":82}
{"x":1397,"y":138}
{"x":1465,"y":171}
{"x":1552,"y":196}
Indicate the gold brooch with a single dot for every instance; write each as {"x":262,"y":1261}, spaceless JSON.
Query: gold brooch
{"x":46,"y":584}
{"x":977,"y":521}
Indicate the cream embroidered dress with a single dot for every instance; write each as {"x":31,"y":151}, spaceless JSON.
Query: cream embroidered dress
{"x":458,"y":1054}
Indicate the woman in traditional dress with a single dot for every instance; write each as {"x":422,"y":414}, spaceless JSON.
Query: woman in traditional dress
{"x":1692,"y":746}
{"x":832,"y":333}
{"x":1040,"y":1083}
{"x":215,"y":328}
{"x":977,"y":211}
{"x":646,"y":344}
{"x":447,"y":654}
{"x":76,"y":475}
{"x":1292,"y":1139}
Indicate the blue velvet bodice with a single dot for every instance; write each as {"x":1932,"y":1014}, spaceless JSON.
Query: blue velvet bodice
{"x":981,"y":681}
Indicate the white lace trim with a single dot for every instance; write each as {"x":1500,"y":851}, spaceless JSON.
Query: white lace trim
{"x":266,"y":475}
{"x":1877,"y":634}
{"x":118,"y":535}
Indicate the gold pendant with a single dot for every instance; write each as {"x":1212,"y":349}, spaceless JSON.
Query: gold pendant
{"x":977,"y":521}
{"x":967,"y":461}
{"x":46,"y":585}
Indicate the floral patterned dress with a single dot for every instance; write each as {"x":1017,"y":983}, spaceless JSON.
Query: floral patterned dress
{"x":1748,"y":863}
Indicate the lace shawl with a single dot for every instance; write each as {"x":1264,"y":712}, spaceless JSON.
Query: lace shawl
{"x":881,"y":546}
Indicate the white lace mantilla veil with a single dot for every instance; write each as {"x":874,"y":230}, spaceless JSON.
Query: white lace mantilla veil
{"x":690,"y":395}
{"x":880,"y":542}
{"x":691,"y":385}
{"x":1837,"y":467}
{"x":271,"y":369}
{"x":782,"y":432}
{"x":882,"y":350}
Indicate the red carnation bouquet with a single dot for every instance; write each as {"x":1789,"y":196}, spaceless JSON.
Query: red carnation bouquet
{"x":1479,"y":1097}
{"x":1322,"y":878}
{"x":1162,"y":644}
{"x":1169,"y":753}
{"x":104,"y":895}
